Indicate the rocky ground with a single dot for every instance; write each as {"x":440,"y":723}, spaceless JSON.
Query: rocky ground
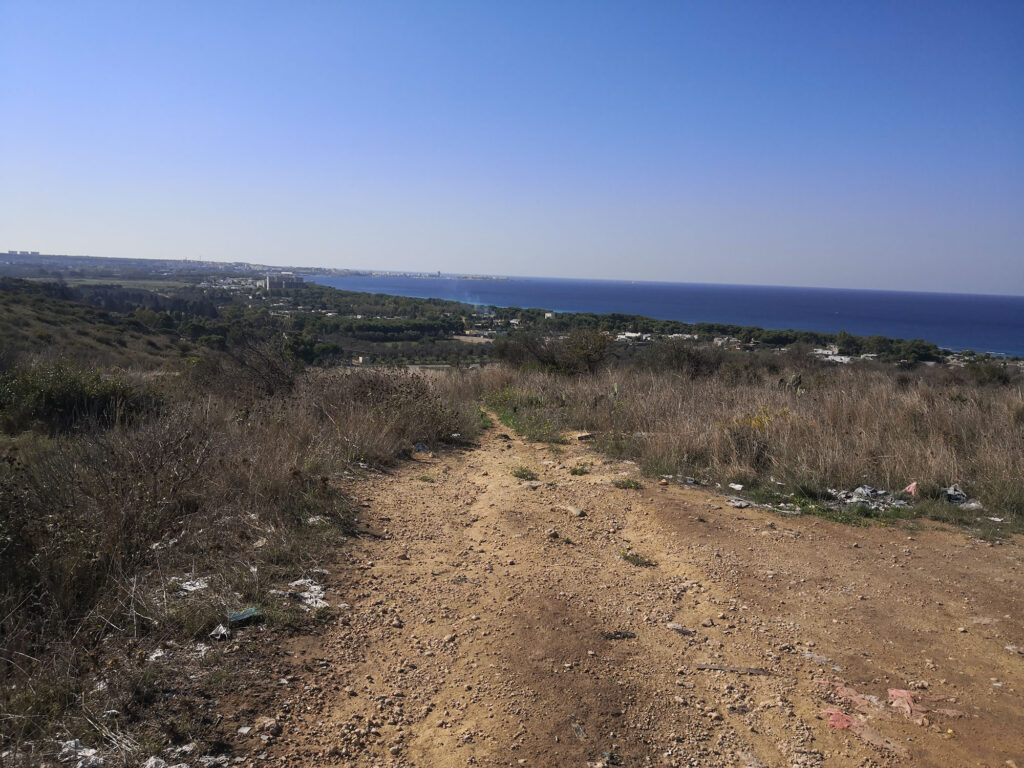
{"x":492,"y":621}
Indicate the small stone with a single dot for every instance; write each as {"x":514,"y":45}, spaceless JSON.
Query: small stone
{"x":448,"y":638}
{"x":268,"y":726}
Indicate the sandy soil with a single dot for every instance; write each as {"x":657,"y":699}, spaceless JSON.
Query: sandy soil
{"x":494,"y":621}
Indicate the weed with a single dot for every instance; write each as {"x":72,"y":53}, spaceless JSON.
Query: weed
{"x":426,"y":479}
{"x":524,"y":473}
{"x":638,"y":560}
{"x":583,"y":468}
{"x":627,"y":483}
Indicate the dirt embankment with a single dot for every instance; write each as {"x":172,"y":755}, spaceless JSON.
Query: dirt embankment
{"x":495,"y":621}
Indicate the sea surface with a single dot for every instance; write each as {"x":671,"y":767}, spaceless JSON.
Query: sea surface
{"x":955,"y":321}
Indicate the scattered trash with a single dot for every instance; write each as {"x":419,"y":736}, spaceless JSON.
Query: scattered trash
{"x":159,"y":653}
{"x":911,"y":490}
{"x":738,"y":670}
{"x":739,"y":503}
{"x":954,"y":495}
{"x":837,"y":719}
{"x":736,"y":486}
{"x":183,"y":751}
{"x":872,"y":497}
{"x":87,"y":757}
{"x":421,"y":448}
{"x":820,"y":659}
{"x":618,"y":634}
{"x":864,"y":702}
{"x":244,"y":617}
{"x":584,"y":436}
{"x":310,"y":593}
{"x":996,"y":519}
{"x":841,"y":721}
{"x":194,"y":585}
{"x":159,"y":762}
{"x":680,"y":629}
{"x":903,"y":701}
{"x":913,"y":707}
{"x":317,"y":520}
{"x":221,"y":633}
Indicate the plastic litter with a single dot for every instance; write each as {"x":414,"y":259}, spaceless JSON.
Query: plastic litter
{"x":911,"y":490}
{"x":192,"y":585}
{"x":837,"y":719}
{"x":954,"y":495}
{"x":74,"y":750}
{"x":310,"y":593}
{"x":221,"y":633}
{"x":244,"y":617}
{"x":679,"y":628}
{"x":618,"y":634}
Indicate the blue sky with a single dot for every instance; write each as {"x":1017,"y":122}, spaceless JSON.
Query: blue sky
{"x":876,"y":145}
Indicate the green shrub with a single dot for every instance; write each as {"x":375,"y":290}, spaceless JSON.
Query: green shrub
{"x":638,"y":560}
{"x":524,"y":473}
{"x":60,"y":398}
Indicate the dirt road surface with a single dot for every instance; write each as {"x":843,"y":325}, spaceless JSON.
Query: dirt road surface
{"x":501,"y":622}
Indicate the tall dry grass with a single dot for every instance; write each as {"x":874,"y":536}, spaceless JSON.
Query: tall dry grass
{"x":246,"y":489}
{"x":840,"y":427}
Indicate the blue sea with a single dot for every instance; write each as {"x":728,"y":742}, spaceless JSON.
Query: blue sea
{"x":955,"y":321}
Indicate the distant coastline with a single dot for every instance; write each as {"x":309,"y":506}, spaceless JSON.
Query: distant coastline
{"x":982,"y":323}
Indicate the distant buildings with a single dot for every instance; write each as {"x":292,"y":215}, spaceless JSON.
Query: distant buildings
{"x":281,"y":282}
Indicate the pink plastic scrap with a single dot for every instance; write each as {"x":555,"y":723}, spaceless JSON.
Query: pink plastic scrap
{"x":913,"y":708}
{"x":838,"y":720}
{"x":865,"y":703}
{"x":911,"y":489}
{"x":841,"y":721}
{"x":904,"y":702}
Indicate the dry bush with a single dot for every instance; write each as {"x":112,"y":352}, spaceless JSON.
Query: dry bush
{"x":240,"y":489}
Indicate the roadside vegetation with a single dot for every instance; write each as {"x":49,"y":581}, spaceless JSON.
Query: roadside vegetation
{"x":170,"y":460}
{"x":789,"y":428}
{"x":139,"y":514}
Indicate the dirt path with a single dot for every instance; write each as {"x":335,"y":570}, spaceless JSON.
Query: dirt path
{"x":495,"y":622}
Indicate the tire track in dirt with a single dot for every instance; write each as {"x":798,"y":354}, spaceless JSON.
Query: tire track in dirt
{"x":481,"y":630}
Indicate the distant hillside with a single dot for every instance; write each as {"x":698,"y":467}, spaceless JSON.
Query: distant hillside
{"x":41,"y":319}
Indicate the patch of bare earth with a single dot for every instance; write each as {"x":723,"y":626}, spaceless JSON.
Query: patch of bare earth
{"x":495,"y":622}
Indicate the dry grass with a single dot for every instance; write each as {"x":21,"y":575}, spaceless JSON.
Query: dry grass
{"x":842,"y":427}
{"x":244,"y":491}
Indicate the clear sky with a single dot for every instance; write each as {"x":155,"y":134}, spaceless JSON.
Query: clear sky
{"x":831,"y":143}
